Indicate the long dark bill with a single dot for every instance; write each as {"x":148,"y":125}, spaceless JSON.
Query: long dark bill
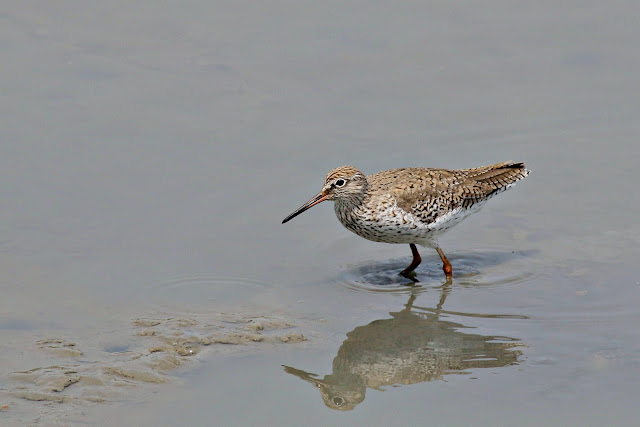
{"x":316,"y":199}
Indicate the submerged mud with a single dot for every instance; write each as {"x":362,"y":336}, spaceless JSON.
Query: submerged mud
{"x":156,"y":350}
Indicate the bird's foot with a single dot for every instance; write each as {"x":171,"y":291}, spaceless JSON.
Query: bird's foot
{"x":411,"y":275}
{"x":448,"y":271}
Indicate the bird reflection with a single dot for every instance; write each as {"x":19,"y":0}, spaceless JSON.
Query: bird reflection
{"x":413,"y":346}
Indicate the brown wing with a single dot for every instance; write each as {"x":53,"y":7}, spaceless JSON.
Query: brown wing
{"x":431,"y":193}
{"x":486,"y":181}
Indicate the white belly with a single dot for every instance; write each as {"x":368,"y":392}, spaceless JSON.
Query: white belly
{"x":394,"y":225}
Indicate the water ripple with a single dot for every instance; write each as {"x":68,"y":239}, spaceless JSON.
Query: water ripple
{"x":474,"y":270}
{"x":206,"y":293}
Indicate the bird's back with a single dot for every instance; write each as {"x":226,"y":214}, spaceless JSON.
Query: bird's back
{"x":432,"y":195}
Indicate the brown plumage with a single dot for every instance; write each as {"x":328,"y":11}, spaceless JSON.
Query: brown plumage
{"x":412,"y":205}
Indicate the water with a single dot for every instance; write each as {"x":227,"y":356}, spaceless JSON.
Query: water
{"x":150,"y":154}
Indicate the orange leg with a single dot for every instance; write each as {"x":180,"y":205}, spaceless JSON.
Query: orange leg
{"x":414,"y":263}
{"x":446,"y":265}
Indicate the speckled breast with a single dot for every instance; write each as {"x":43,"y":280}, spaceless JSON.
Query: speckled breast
{"x":388,"y":224}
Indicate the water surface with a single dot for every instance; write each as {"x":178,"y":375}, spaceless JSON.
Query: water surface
{"x":149,"y":155}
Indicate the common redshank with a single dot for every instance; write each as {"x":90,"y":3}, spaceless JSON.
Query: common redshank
{"x":412,"y":205}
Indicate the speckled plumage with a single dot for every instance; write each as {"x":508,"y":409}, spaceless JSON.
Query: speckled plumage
{"x":412,"y":205}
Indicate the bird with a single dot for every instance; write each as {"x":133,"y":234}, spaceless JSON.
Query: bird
{"x":413,"y":205}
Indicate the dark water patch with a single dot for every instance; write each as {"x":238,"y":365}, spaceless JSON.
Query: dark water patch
{"x":478,"y":270}
{"x":488,"y":270}
{"x":380,"y":277}
{"x":117,"y":348}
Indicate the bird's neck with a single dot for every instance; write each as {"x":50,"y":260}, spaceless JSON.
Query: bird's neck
{"x":346,"y":205}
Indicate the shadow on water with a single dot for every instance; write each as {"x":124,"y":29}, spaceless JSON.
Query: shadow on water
{"x":413,"y":346}
{"x":495,"y":268}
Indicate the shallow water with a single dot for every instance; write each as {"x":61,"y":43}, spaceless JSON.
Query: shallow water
{"x":150,"y":154}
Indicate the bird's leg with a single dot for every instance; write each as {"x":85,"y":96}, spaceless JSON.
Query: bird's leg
{"x":416,"y":262}
{"x":446,"y":265}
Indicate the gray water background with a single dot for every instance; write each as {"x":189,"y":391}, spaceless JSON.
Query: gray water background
{"x":149,"y":152}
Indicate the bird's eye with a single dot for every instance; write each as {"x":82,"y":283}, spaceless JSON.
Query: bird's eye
{"x":340,"y":183}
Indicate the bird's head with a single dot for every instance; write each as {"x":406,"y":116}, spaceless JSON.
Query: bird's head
{"x":343,"y":183}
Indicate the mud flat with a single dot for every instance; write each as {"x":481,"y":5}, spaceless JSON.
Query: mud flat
{"x":157,"y":349}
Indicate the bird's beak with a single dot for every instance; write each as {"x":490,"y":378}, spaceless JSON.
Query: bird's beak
{"x":318,"y":198}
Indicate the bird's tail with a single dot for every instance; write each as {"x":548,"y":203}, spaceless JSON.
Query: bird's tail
{"x":499,"y":176}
